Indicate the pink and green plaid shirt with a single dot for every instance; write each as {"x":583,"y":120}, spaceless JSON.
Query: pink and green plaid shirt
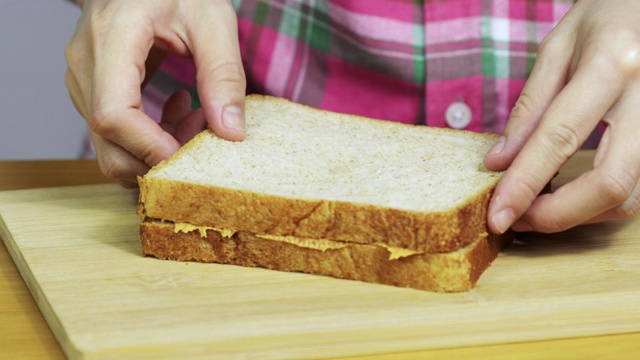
{"x":457,"y":63}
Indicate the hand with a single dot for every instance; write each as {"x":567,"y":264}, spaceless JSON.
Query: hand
{"x":119,"y":43}
{"x":587,"y":70}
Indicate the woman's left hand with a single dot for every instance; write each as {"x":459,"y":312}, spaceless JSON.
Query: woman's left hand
{"x":587,"y":71}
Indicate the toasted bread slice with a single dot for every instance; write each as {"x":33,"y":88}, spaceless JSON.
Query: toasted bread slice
{"x":315,"y":174}
{"x":445,"y":272}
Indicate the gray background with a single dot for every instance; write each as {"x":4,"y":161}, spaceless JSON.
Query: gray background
{"x":37,"y":118}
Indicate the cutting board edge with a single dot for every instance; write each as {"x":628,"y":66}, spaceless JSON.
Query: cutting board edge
{"x":73,"y":352}
{"x":228,"y":348}
{"x":54,"y":323}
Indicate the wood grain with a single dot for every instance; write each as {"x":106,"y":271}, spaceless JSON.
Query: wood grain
{"x":578,"y":283}
{"x":28,"y":336}
{"x":25,"y":335}
{"x":23,"y":332}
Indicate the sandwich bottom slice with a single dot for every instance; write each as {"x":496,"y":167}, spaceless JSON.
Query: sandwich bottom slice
{"x":454,"y":271}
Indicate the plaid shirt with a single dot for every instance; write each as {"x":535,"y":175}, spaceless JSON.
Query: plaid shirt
{"x":457,"y":63}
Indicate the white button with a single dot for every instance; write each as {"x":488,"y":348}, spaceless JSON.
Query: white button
{"x":458,"y":115}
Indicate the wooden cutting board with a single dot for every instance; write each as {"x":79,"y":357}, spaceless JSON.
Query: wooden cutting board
{"x":78,"y":251}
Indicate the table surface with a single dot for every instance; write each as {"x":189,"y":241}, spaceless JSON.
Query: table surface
{"x":24,"y":334}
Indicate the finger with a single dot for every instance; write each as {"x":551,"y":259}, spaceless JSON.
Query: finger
{"x":177,"y":106}
{"x":220,"y":75}
{"x":604,"y":194}
{"x":190,"y":125}
{"x":127,"y":184}
{"x":116,"y":162}
{"x":548,"y":76}
{"x":609,"y":191}
{"x":569,"y":206}
{"x":116,"y":98}
{"x":178,"y":119}
{"x":626,"y":210}
{"x":567,"y":123}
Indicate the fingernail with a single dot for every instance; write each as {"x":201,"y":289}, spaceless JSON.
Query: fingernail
{"x":498,"y":146}
{"x":233,"y":118}
{"x":503,"y":219}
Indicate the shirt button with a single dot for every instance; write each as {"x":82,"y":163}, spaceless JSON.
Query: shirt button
{"x":458,"y":115}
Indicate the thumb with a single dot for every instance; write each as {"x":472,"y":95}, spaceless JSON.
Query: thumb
{"x":220,"y":75}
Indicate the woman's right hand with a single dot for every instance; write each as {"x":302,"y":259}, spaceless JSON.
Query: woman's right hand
{"x":119,"y":43}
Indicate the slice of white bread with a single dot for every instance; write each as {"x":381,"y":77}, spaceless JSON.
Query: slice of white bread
{"x":315,"y":174}
{"x":445,"y":272}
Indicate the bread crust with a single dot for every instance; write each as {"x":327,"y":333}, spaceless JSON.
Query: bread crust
{"x":333,"y":220}
{"x":450,"y":272}
{"x":450,"y":235}
{"x":256,"y":212}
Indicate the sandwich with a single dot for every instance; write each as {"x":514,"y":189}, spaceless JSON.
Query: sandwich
{"x":329,"y":194}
